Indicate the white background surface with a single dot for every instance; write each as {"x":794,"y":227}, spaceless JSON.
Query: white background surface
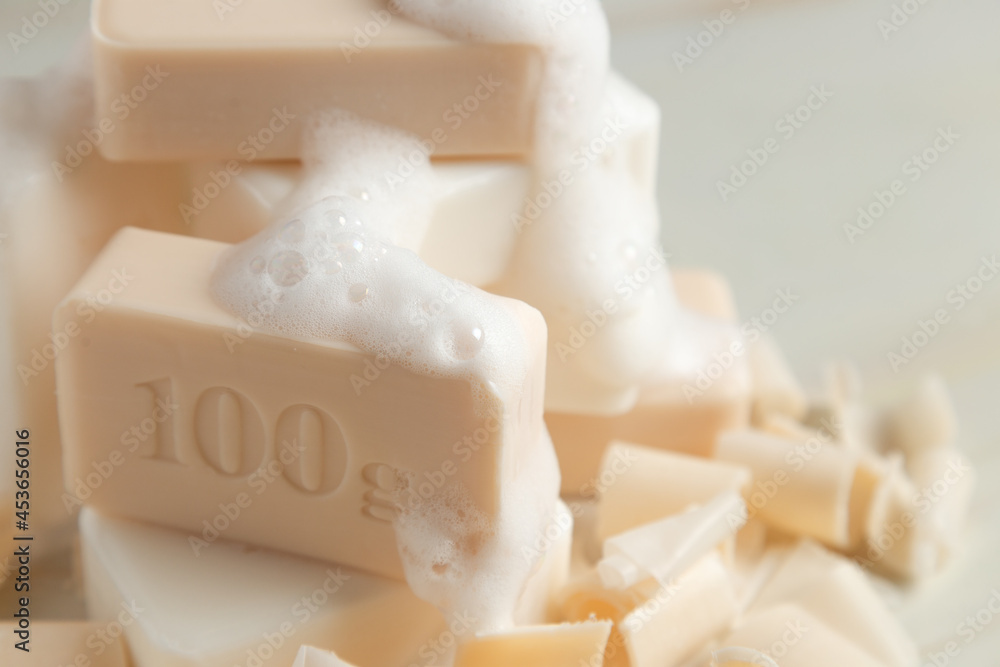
{"x":784,"y":228}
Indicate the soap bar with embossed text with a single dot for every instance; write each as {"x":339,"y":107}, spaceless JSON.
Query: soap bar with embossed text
{"x":183,"y":80}
{"x":174,"y":411}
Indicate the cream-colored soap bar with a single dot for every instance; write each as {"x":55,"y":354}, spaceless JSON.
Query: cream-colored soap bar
{"x":470,"y":236}
{"x":63,"y":644}
{"x":795,"y":638}
{"x":640,"y":484}
{"x":189,"y":80}
{"x":836,"y":591}
{"x":799,"y":487}
{"x":295,"y":445}
{"x":564,"y":645}
{"x":235,"y":604}
{"x":663,"y":417}
{"x":60,"y":210}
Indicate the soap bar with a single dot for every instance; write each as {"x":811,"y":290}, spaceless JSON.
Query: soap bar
{"x":470,"y":236}
{"x":663,"y":417}
{"x":59,"y":643}
{"x":799,"y":487}
{"x":640,"y":484}
{"x":564,"y":645}
{"x":836,"y":591}
{"x":173,"y":392}
{"x":234,"y":604}
{"x":796,"y":638}
{"x":188,"y":80}
{"x":62,"y":217}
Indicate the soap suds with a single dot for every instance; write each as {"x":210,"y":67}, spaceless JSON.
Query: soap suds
{"x":332,"y":269}
{"x":336,"y":273}
{"x":462,"y":562}
{"x":590,"y":225}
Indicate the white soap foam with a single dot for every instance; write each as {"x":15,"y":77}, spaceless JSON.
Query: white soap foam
{"x":590,"y":231}
{"x":339,"y":159}
{"x":328,"y":270}
{"x":462,"y":562}
{"x":332,"y":272}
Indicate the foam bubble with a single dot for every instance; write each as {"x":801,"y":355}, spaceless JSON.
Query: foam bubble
{"x":331,"y":270}
{"x":590,"y":230}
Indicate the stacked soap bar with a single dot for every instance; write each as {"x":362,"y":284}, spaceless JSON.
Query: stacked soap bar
{"x":240,"y":85}
{"x":56,"y":214}
{"x":331,"y":498}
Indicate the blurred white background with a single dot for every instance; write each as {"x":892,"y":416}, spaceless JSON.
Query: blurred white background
{"x":898,"y":72}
